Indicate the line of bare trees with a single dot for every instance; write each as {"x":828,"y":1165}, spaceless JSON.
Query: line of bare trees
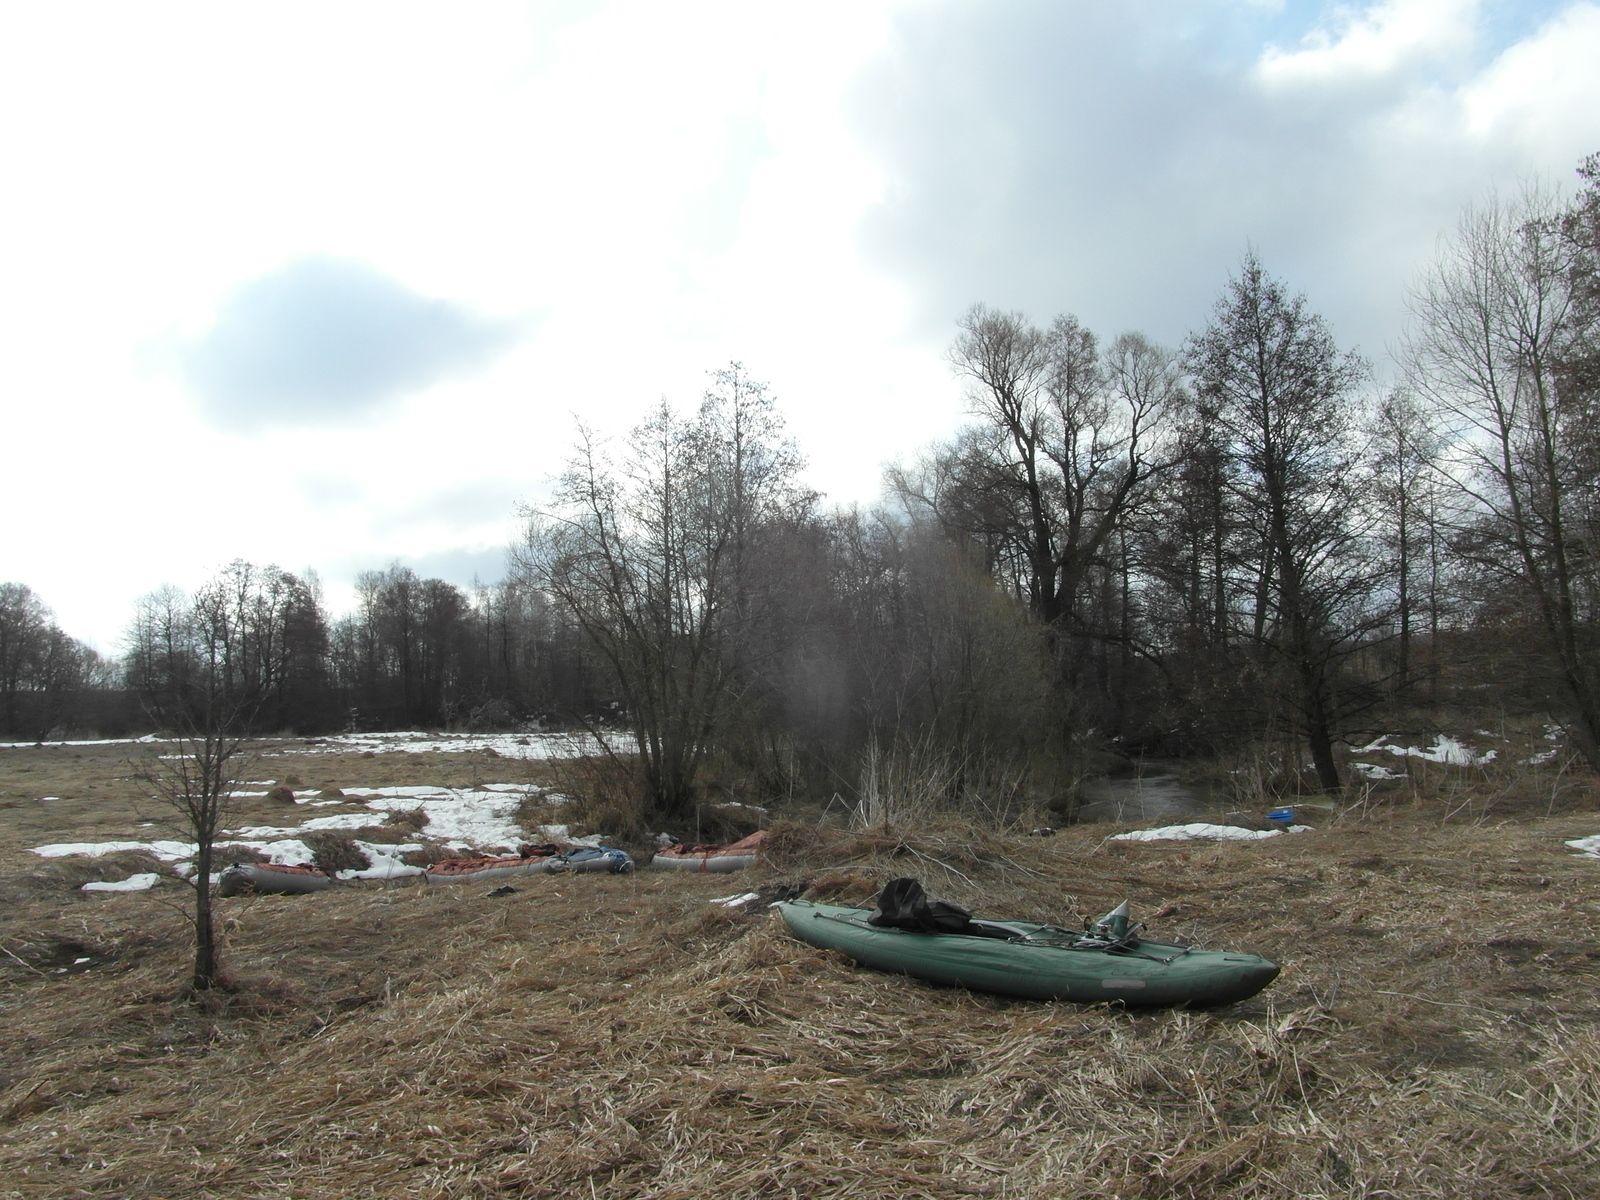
{"x":1181,"y":549}
{"x":45,"y":674}
{"x":1168,"y":549}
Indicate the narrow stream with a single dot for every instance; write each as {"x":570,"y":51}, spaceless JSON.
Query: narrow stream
{"x":1155,"y":791}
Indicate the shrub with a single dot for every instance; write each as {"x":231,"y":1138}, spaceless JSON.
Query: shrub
{"x":334,"y":850}
{"x":233,"y":852}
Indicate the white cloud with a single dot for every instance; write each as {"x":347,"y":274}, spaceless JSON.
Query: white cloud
{"x":1375,"y":41}
{"x":1543,"y":92}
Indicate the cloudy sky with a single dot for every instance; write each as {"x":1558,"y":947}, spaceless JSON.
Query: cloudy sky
{"x":328,"y":284}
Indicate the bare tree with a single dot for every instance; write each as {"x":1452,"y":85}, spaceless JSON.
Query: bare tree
{"x":190,"y":657}
{"x":194,"y":778}
{"x":654,"y":555}
{"x":1495,"y":329}
{"x":1406,"y":452}
{"x":1280,"y":394}
{"x":1066,"y":441}
{"x":43,"y":671}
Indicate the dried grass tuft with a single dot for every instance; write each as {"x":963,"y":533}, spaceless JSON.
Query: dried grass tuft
{"x":234,"y":852}
{"x":412,"y":819}
{"x":335,"y":850}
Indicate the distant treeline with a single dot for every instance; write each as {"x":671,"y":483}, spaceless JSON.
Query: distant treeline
{"x":1236,"y":542}
{"x":415,"y":652}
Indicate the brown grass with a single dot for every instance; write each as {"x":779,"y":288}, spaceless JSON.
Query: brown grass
{"x":1433,"y":1034}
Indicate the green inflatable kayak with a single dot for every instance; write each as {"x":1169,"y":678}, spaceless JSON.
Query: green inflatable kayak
{"x":1106,"y":962}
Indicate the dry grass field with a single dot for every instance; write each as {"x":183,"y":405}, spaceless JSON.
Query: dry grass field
{"x":1434,"y":1032}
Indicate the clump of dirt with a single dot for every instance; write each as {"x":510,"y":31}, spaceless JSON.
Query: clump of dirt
{"x":843,"y":886}
{"x":430,"y":853}
{"x":391,"y":835}
{"x":413,"y":819}
{"x":280,"y":794}
{"x":233,"y":852}
{"x":727,"y":822}
{"x":334,"y":850}
{"x":330,"y":793}
{"x":70,"y":874}
{"x":55,"y":954}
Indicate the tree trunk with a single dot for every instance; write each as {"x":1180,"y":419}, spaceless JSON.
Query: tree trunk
{"x":1319,"y":734}
{"x":205,"y":934}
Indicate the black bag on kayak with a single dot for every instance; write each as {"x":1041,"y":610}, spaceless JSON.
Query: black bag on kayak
{"x":904,"y":905}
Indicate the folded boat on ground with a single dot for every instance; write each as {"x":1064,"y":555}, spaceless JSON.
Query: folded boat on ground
{"x":716,"y":858}
{"x":532,"y":860}
{"x":270,"y":879}
{"x":1108,"y":961}
{"x":595,"y":858}
{"x":529,"y":860}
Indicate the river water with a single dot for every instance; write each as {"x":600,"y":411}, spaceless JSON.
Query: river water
{"x":1155,"y":791}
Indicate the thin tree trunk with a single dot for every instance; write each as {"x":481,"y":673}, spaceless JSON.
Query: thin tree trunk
{"x":205,"y":934}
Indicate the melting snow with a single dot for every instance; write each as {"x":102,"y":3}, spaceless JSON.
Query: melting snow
{"x":133,"y":883}
{"x":165,"y":851}
{"x":149,"y":737}
{"x":506,"y":745}
{"x":1201,"y":831}
{"x":1445,"y":749}
{"x":1589,"y":847}
{"x":482,"y":818}
{"x":561,"y":833}
{"x":737,"y":901}
{"x":1375,"y":772}
{"x":386,"y":862}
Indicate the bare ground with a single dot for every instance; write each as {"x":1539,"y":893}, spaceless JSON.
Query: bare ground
{"x":1434,"y":1032}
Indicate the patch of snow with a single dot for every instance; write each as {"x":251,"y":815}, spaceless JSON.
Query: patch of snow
{"x":165,"y":851}
{"x":532,"y":746}
{"x":1202,"y":831}
{"x":482,"y":819}
{"x":1589,"y":846}
{"x":85,"y":742}
{"x":1375,"y":772}
{"x":287,"y":852}
{"x":133,"y":883}
{"x":1541,"y":758}
{"x":386,"y":862}
{"x":412,"y":790}
{"x":562,"y":833}
{"x":737,"y":901}
{"x":342,"y":821}
{"x":1449,"y":751}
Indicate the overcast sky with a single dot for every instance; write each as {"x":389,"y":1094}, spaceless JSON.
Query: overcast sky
{"x":328,"y":284}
